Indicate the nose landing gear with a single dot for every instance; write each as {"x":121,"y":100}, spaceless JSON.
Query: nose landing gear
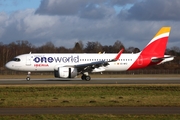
{"x":28,"y":76}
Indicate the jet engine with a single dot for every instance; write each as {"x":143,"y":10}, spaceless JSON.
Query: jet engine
{"x":65,"y":72}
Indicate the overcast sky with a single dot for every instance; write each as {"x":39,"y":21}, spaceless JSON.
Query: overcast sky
{"x":64,"y":22}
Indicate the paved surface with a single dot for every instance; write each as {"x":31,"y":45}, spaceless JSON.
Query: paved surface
{"x":91,"y":110}
{"x":144,"y":80}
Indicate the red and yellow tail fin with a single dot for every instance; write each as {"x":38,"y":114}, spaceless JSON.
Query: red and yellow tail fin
{"x":157,"y":46}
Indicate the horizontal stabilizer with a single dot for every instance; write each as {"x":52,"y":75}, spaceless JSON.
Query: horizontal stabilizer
{"x":162,"y":60}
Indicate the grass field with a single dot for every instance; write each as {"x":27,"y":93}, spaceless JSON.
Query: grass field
{"x":89,"y":95}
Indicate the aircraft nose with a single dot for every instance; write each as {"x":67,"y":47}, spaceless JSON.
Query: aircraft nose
{"x":8,"y":65}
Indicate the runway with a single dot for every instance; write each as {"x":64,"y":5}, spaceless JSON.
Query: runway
{"x":91,"y":110}
{"x":144,"y":80}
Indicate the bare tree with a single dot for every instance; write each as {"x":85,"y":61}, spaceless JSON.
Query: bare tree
{"x":93,"y":47}
{"x":117,"y":46}
{"x":47,"y":48}
{"x":77,"y":48}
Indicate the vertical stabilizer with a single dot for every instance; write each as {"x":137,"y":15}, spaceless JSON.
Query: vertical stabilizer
{"x":157,"y":46}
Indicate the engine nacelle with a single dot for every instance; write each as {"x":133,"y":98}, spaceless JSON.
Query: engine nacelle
{"x":65,"y":72}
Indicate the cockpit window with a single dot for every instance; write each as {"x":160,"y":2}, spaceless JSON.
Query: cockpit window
{"x":16,"y":59}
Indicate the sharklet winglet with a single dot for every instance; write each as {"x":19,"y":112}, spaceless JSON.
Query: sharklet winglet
{"x":117,"y":56}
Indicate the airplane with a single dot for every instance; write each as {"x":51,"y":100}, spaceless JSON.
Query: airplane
{"x":72,"y":64}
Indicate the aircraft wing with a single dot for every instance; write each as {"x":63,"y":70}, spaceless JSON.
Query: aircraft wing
{"x":88,"y":67}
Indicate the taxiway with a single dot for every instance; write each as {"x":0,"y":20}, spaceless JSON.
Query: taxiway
{"x":144,"y":80}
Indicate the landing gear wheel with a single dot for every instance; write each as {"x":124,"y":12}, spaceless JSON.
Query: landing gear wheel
{"x":86,"y":77}
{"x":28,"y":78}
{"x":83,"y":77}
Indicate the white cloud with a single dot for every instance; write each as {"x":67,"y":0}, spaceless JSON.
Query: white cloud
{"x":96,"y":22}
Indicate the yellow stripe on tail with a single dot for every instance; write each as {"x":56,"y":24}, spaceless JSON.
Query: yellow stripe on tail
{"x":163,"y":30}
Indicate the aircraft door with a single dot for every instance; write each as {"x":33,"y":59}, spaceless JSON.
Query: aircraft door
{"x":28,"y":60}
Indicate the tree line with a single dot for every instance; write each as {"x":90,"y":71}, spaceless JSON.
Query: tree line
{"x":9,"y":51}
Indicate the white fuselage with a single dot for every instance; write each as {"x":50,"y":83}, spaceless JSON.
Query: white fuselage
{"x":49,"y":62}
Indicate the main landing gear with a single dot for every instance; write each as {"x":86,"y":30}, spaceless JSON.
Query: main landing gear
{"x":28,"y":76}
{"x":86,"y":77}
